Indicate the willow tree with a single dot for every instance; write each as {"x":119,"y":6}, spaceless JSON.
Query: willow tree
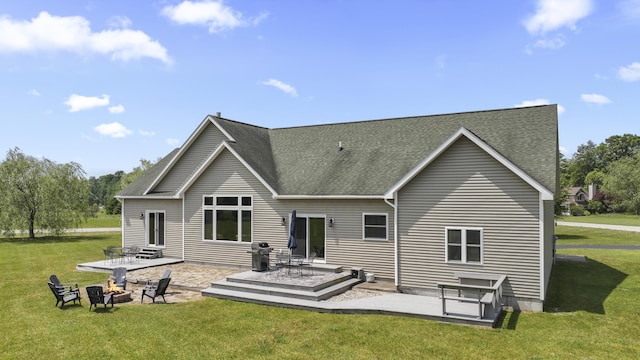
{"x":39,"y":194}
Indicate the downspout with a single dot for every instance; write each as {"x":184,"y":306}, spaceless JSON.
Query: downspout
{"x":543,"y":265}
{"x":183,"y":225}
{"x":395,"y":236}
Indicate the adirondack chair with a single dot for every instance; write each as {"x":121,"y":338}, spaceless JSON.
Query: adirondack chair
{"x":97,"y":296}
{"x":120,"y":276}
{"x":64,"y":287}
{"x":166,"y":274}
{"x":63,"y":296}
{"x":154,"y":291}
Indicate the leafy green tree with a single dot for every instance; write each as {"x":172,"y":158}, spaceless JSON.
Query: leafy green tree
{"x":584,"y":161}
{"x":617,"y":147}
{"x":622,"y":181}
{"x":41,"y":194}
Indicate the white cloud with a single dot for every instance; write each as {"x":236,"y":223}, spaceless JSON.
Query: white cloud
{"x":630,"y":73}
{"x":33,"y":92}
{"x":118,"y":109}
{"x":79,"y":102}
{"x":114,"y":130}
{"x":595,"y":99}
{"x":281,"y":86}
{"x":215,"y":15}
{"x":555,"y":14}
{"x":73,"y":33}
{"x":537,"y":102}
{"x":146,"y":133}
{"x":555,"y":43}
{"x":630,"y":8}
{"x":173,"y":142}
{"x":120,"y":22}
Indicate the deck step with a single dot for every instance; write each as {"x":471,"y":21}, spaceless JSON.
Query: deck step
{"x":149,"y":253}
{"x":253,"y":291}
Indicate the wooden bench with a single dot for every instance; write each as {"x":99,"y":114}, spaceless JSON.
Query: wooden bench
{"x":480,"y":288}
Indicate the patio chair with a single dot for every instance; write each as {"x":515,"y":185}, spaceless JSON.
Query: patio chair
{"x":97,"y":297}
{"x":308,"y":263}
{"x":63,"y":296}
{"x":166,"y":274}
{"x":64,"y":287}
{"x":155,"y":291}
{"x":120,"y":276}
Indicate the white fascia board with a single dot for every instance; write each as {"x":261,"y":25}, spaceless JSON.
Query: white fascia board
{"x":545,"y":193}
{"x":329,"y":197}
{"x":187,"y":144}
{"x":149,"y":197}
{"x":222,"y":130}
{"x":211,"y":158}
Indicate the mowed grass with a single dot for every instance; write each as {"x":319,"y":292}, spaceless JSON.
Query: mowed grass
{"x":592,"y":312}
{"x":570,"y":235}
{"x":102,"y":220}
{"x":609,"y":219}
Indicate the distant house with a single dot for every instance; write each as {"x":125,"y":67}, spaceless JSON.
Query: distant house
{"x":411,"y":199}
{"x":576,"y":196}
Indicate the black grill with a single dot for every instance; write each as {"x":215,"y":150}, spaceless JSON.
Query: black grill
{"x":260,"y":256}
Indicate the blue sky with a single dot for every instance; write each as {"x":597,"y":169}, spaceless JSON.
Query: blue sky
{"x":107,"y":83}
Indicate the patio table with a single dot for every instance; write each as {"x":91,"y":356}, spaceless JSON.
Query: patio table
{"x":290,"y":261}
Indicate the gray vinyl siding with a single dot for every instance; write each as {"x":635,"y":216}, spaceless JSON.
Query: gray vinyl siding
{"x":344,"y":244}
{"x":202,"y":147}
{"x":549,"y":235}
{"x":135,"y":231}
{"x":227,"y":176}
{"x":466,"y":187}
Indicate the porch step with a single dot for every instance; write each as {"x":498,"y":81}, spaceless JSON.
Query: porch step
{"x":249,"y":280}
{"x":260,"y":292}
{"x":149,"y":253}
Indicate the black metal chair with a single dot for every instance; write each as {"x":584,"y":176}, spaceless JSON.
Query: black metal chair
{"x":120,"y":276}
{"x":97,"y":297}
{"x":64,"y":296}
{"x":154,"y":291}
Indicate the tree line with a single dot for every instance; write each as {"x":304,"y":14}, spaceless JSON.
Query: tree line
{"x":41,"y":195}
{"x":613,"y":166}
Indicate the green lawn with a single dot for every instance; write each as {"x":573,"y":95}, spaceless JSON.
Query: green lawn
{"x":571,"y":235}
{"x":103,"y":221}
{"x":609,"y":219}
{"x":592,"y":312}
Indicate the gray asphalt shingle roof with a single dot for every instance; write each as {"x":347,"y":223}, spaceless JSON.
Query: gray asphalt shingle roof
{"x":376,"y":154}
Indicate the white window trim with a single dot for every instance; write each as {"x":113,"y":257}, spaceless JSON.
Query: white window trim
{"x":239,"y":208}
{"x":386,"y":226}
{"x":463,"y":244}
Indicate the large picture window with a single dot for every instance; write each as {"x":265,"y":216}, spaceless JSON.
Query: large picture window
{"x":227,"y":218}
{"x":374,"y":226}
{"x":464,"y":245}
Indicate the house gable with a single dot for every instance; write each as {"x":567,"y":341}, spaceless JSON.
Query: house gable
{"x":467,"y":188}
{"x":462,"y":132}
{"x":207,"y":163}
{"x":195,"y":150}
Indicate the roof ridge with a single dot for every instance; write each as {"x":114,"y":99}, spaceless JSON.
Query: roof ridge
{"x":411,"y":117}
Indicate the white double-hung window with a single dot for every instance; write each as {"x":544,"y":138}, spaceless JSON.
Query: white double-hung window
{"x":464,"y":245}
{"x":227,"y":218}
{"x":374,"y":226}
